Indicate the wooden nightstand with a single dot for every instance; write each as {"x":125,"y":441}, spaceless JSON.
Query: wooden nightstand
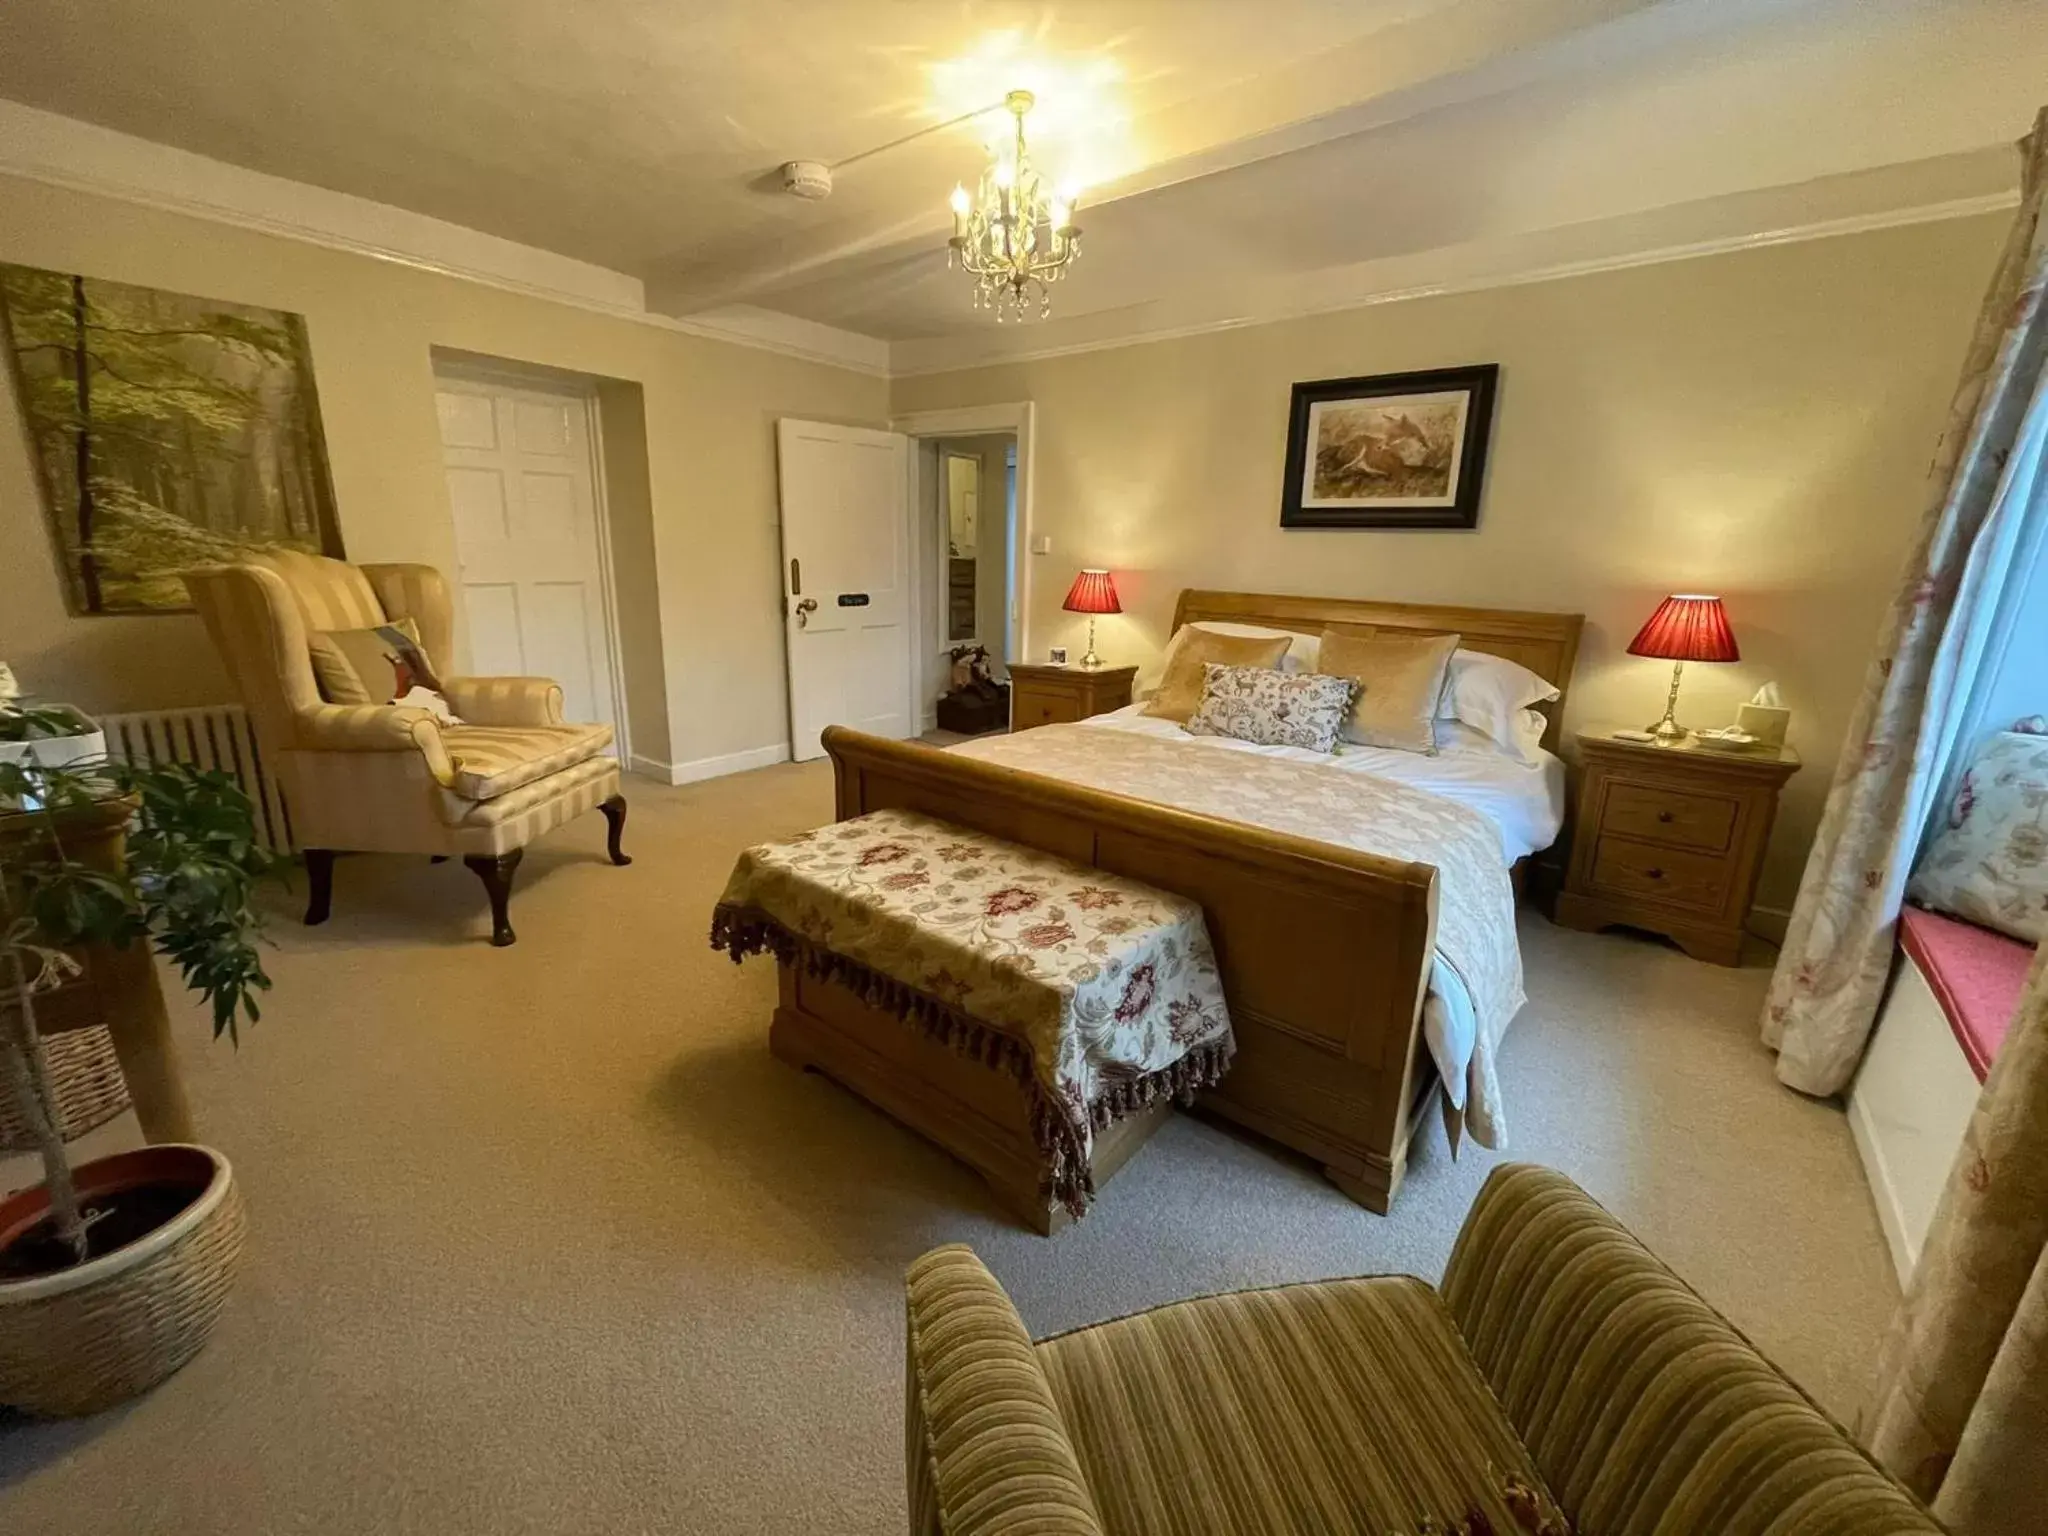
{"x":1044,"y":695}
{"x":1671,"y":839}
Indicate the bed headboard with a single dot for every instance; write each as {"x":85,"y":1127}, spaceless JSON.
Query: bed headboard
{"x":1546,"y":643}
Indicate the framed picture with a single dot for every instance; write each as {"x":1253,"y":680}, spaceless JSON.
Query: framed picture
{"x":1396,"y":450}
{"x":170,"y":431}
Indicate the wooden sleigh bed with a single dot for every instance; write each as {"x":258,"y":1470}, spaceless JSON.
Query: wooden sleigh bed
{"x":1325,"y":951}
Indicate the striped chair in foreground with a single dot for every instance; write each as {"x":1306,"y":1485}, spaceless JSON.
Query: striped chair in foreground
{"x":1561,"y":1380}
{"x":384,"y":778}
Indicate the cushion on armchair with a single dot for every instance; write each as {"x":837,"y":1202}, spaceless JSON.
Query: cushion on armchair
{"x":1340,"y":1405}
{"x":379,"y":665}
{"x":495,"y":760}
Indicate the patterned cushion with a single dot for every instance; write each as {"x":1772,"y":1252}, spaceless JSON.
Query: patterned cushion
{"x":1989,"y":862}
{"x":495,"y":760}
{"x":1180,"y":686}
{"x":1400,"y":681}
{"x":1347,"y":1405}
{"x":1275,"y":709}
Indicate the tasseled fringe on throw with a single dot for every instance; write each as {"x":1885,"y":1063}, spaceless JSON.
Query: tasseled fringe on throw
{"x":1065,"y":1174}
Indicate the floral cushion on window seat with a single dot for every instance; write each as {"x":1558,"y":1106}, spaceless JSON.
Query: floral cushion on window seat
{"x":1988,"y":863}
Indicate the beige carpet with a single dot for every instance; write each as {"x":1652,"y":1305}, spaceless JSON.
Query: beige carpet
{"x":543,"y":1240}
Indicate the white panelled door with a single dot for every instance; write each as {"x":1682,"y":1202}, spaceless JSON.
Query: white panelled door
{"x":522,"y":482}
{"x":845,"y":580}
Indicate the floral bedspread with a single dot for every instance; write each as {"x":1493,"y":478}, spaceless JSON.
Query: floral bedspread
{"x":1475,"y":929}
{"x":1100,"y":993}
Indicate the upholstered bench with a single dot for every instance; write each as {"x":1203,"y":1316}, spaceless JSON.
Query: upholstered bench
{"x":1559,"y":1380}
{"x":1034,"y":1017}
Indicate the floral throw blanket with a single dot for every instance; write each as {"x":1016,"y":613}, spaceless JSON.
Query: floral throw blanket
{"x":1475,"y":930}
{"x":1099,"y":993}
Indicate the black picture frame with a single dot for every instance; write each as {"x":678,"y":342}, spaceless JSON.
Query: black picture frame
{"x":1408,"y":454}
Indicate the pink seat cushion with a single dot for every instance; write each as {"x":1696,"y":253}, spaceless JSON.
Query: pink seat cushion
{"x":1975,"y":974}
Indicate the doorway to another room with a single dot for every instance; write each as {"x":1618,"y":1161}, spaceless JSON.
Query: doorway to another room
{"x":970,"y":532}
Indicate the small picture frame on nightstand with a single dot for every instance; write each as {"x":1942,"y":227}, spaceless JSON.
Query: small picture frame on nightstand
{"x":1057,"y":656}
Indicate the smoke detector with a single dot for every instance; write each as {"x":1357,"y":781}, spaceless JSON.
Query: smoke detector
{"x":807,"y":179}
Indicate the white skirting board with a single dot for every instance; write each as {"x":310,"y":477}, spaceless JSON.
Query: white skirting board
{"x":1908,"y":1110}
{"x":711,"y":767}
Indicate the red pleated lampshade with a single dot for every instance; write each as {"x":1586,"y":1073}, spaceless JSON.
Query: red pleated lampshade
{"x":1687,"y":627}
{"x":1092,"y":592}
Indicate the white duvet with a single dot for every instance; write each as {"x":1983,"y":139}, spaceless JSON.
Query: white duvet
{"x":1525,"y":803}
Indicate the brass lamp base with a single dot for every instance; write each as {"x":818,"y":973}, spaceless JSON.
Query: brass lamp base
{"x":1667,"y":731}
{"x":1089,"y":658}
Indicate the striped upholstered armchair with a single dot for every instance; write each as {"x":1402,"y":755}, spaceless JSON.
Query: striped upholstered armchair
{"x":1561,"y":1380}
{"x":382,"y":778}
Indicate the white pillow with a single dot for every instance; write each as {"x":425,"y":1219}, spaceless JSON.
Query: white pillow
{"x":1303,"y":651}
{"x":1494,"y":695}
{"x":1456,"y":738}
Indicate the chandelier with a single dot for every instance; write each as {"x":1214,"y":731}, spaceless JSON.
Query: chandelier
{"x":1013,"y":237}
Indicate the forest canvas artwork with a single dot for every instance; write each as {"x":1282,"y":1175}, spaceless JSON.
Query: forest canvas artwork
{"x":1399,"y":450}
{"x":170,"y":431}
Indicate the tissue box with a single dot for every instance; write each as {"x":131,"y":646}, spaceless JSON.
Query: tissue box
{"x":1766,"y":722}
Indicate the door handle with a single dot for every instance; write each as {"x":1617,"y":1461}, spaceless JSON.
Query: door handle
{"x":804,"y":610}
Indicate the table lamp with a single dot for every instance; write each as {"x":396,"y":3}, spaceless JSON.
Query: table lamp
{"x":1685,"y":627}
{"x":1092,"y":593}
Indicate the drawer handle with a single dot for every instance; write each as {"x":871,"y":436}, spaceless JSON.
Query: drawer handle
{"x":1666,"y":817}
{"x":1654,"y":874}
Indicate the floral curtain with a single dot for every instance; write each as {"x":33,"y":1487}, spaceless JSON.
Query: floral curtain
{"x":1838,"y":946}
{"x":1960,"y":1413}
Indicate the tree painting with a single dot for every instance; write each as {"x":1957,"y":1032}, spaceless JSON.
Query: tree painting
{"x":171,"y":432}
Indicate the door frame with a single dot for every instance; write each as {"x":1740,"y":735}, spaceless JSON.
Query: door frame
{"x":504,"y":373}
{"x":1015,"y":417}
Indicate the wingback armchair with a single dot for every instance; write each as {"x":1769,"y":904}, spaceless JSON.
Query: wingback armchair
{"x":1561,"y":1379}
{"x":392,"y":779}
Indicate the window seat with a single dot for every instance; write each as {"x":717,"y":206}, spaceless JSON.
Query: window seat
{"x":1974,"y":973}
{"x":1952,"y":996}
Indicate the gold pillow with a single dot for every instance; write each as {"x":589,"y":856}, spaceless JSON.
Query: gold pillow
{"x":1399,"y":677}
{"x":369,"y":666}
{"x":1180,"y":689}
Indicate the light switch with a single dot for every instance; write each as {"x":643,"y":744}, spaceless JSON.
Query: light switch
{"x":1042,"y":544}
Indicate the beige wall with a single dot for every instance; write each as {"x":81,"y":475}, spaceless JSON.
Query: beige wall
{"x":709,"y":413}
{"x":629,"y":518}
{"x":1756,"y":424}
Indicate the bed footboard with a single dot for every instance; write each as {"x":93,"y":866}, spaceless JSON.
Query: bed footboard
{"x":1324,"y":951}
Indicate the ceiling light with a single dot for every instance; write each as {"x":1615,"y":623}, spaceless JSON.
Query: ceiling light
{"x":1014,"y":237}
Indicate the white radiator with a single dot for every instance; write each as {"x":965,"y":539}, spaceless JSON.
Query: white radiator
{"x":216,"y":736}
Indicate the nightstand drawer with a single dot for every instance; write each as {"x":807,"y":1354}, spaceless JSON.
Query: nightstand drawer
{"x":1672,"y":817}
{"x":1044,"y":707}
{"x":1662,"y":874}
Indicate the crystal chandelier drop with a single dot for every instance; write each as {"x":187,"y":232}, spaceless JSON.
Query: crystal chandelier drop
{"x":1013,"y":237}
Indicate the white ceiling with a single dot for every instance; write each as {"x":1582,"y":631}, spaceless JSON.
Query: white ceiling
{"x":1233,"y":148}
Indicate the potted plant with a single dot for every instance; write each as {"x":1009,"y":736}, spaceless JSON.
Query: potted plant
{"x":113,"y":1272}
{"x":52,"y":734}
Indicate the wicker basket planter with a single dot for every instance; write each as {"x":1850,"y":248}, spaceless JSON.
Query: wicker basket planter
{"x":78,"y":1340}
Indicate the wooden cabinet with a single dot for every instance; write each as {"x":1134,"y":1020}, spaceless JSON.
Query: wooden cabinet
{"x":1671,"y":839}
{"x":1045,"y":695}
